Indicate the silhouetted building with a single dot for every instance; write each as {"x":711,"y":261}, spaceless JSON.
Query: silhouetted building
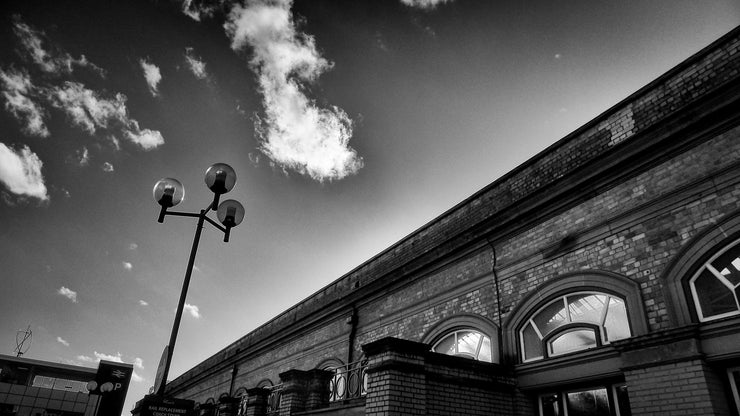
{"x":40,"y":388}
{"x":600,"y":277}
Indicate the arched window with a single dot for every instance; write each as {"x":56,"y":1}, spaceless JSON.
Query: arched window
{"x":465,"y":335}
{"x":574,"y":322}
{"x":716,"y":285}
{"x":468,"y":343}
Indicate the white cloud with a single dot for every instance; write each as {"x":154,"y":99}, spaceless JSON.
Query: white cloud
{"x":294,"y":132}
{"x":139,"y":363}
{"x":136,"y":378}
{"x":89,"y":111}
{"x":17,"y":89}
{"x":68,"y":293}
{"x":424,"y":4}
{"x":83,"y":156}
{"x":51,"y":61}
{"x":197,"y":11}
{"x":62,"y":341}
{"x":192,"y":310}
{"x":143,"y":302}
{"x":152,"y":76}
{"x":108,"y":357}
{"x":195,"y":64}
{"x":133,"y":246}
{"x":127,"y":265}
{"x":147,"y":139}
{"x":85,"y":359}
{"x":20,"y":172}
{"x":107,"y":167}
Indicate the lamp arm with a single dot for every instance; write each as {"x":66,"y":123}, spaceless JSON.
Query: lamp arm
{"x":215,"y":224}
{"x":182,"y":214}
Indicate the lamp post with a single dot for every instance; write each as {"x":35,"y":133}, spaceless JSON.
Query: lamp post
{"x":220,"y":178}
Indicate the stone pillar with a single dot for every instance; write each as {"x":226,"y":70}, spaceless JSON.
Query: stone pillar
{"x":295,"y":389}
{"x":666,"y":374}
{"x":397,"y":380}
{"x":257,"y":401}
{"x":228,"y":406}
{"x":318,"y":389}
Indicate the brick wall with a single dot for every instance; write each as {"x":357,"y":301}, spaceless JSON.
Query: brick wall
{"x":682,"y":388}
{"x":592,"y":201}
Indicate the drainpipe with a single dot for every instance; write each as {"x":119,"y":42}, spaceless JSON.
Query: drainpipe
{"x":498,"y":295}
{"x":352,"y":321}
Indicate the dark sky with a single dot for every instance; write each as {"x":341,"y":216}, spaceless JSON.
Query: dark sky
{"x":349,"y":124}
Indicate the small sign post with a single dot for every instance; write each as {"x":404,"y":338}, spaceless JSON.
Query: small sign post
{"x":154,"y":405}
{"x":111,"y":383}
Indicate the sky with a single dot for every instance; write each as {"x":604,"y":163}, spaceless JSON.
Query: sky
{"x":349,"y":124}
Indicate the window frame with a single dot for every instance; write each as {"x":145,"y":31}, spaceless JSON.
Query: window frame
{"x":562,"y":400}
{"x":478,"y":348}
{"x":707,"y":265}
{"x":570,"y":325}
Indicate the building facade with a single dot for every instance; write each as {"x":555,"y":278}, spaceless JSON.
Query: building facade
{"x":600,"y":277}
{"x":40,"y":388}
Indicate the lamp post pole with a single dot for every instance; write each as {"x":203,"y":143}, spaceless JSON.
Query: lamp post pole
{"x":181,"y":302}
{"x":168,"y":192}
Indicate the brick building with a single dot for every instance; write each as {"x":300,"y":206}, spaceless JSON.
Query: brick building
{"x":600,"y":277}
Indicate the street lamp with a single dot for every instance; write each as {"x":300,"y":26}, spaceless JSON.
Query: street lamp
{"x":168,"y":192}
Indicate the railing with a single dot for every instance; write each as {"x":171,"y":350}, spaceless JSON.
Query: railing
{"x":273,"y":399}
{"x":349,"y":382}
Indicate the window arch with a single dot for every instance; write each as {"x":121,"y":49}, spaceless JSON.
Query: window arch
{"x":715,"y":287}
{"x":690,"y":262}
{"x":603,"y":283}
{"x":467,"y":342}
{"x":572,"y":322}
{"x":466,"y":335}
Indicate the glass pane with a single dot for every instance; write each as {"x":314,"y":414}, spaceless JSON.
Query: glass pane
{"x":623,"y":401}
{"x":532,"y":343}
{"x":575,"y":340}
{"x":588,"y":403}
{"x":446,"y":345}
{"x":485,"y":351}
{"x":467,"y":342}
{"x":587,"y":308}
{"x":729,"y":264}
{"x":714,"y":297}
{"x":616,"y":324}
{"x":551,"y":318}
{"x":550,"y":405}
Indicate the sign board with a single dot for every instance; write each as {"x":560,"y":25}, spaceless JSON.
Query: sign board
{"x":160,"y":369}
{"x":111,"y":383}
{"x":153,"y":405}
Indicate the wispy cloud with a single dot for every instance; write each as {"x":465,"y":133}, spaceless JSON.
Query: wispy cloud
{"x":192,"y":310}
{"x":133,"y":246}
{"x":195,"y":64}
{"x":48,"y":59}
{"x":62,"y":341}
{"x":20,"y":172}
{"x":68,"y":293}
{"x":198,"y":10}
{"x":128,"y":266}
{"x":294,"y":132}
{"x":152,"y":75}
{"x":90,"y":111}
{"x":117,"y":358}
{"x":17,"y":90}
{"x":107,"y":167}
{"x":83,"y":156}
{"x":143,"y":302}
{"x":424,"y":4}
